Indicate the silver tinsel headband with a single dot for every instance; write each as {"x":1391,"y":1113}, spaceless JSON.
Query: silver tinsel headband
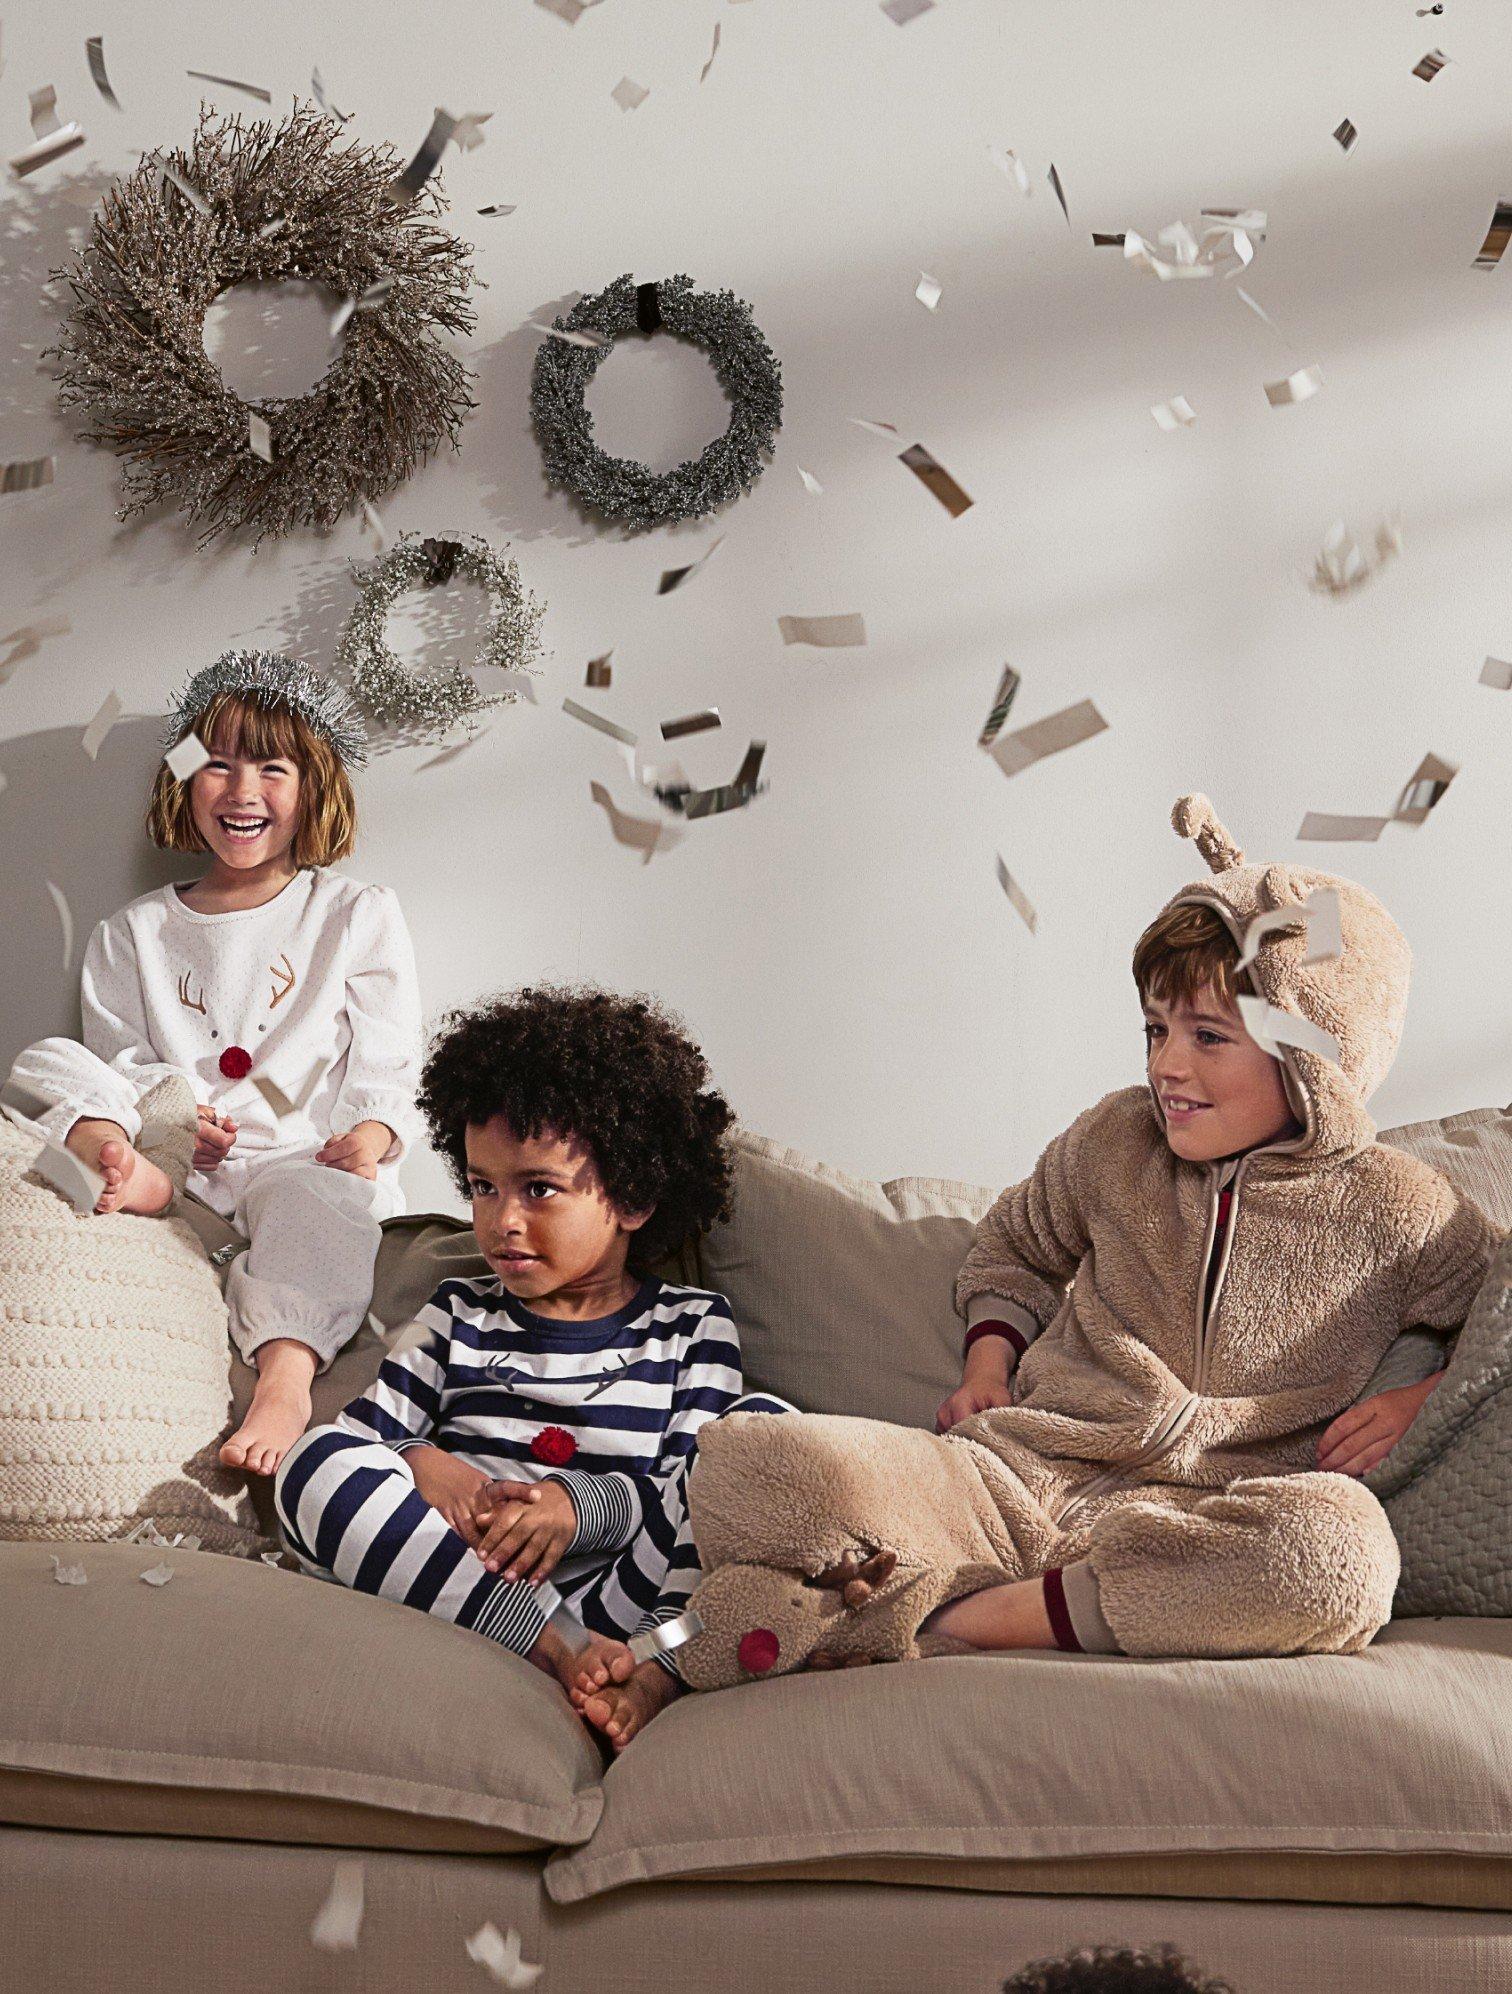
{"x":267,"y":678}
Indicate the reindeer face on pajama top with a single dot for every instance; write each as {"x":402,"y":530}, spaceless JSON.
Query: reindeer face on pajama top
{"x":1161,"y":1440}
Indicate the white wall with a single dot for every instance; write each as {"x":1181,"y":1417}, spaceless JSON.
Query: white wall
{"x":842,"y":947}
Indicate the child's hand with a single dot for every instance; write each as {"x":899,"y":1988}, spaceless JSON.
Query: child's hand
{"x":1367,"y":1432}
{"x":974,"y":1395}
{"x":449,"y":1486}
{"x":212,"y":1139}
{"x":358,"y":1150}
{"x":526,"y":1527}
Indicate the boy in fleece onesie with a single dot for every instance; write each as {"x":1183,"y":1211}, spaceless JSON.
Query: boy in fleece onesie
{"x":1194,"y":1285}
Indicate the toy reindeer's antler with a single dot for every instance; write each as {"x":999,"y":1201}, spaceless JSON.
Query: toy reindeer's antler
{"x":856,"y":1579}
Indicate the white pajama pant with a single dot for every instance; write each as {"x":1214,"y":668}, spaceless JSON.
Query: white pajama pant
{"x":348,"y":1510}
{"x":314,"y":1232}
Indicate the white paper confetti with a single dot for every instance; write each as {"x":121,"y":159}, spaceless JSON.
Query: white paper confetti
{"x":46,"y":150}
{"x":1342,"y":565}
{"x":467,"y":132}
{"x":318,"y":89}
{"x":369,"y":301}
{"x":1018,"y":899}
{"x":501,"y":1956}
{"x":66,"y":920}
{"x":570,"y":11}
{"x":1223,"y":249}
{"x":876,"y":428}
{"x":372,"y":522}
{"x":810,"y":483}
{"x":573,"y":336}
{"x":1018,"y":751}
{"x":1319,"y":913}
{"x":1298,"y":387}
{"x":628,"y":94}
{"x":1007,"y":161}
{"x":591,"y":719}
{"x":1320,"y":827}
{"x":69,"y":1175}
{"x":259,"y":437}
{"x":1425,"y":788}
{"x":642,"y":834}
{"x":158,"y":1575}
{"x":703,"y":74}
{"x":68,"y":1575}
{"x":827,"y":632}
{"x":187,"y":757}
{"x":339,"y":1919}
{"x":928,"y":291}
{"x":1498,"y":673}
{"x":25,"y":641}
{"x":667,"y":1635}
{"x":291,"y":1101}
{"x":1177,"y":413}
{"x":1272,"y":1028}
{"x":1258,"y":309}
{"x":94,"y":734}
{"x":187,"y":188}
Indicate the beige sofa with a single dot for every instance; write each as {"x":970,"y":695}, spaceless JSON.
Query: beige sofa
{"x":182,"y":1768}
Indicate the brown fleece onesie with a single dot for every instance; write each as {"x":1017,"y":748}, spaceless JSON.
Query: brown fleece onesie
{"x":1158,"y":1455}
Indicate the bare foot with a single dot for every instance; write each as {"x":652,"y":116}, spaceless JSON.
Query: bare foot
{"x":278,"y":1414}
{"x":622,"y":1709}
{"x":132,"y":1184}
{"x":604,"y":1662}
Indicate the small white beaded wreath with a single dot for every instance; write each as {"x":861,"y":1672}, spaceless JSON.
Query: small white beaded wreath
{"x":426,"y":705}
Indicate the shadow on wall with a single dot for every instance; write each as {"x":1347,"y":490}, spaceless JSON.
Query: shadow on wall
{"x":77,"y":825}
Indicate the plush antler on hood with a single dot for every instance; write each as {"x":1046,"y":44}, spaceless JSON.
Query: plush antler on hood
{"x":1360,"y":997}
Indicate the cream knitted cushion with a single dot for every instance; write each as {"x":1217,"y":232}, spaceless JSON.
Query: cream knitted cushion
{"x":114,"y":1370}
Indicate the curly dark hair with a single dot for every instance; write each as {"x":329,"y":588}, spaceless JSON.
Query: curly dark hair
{"x":1114,"y":1970}
{"x":618,"y":1074}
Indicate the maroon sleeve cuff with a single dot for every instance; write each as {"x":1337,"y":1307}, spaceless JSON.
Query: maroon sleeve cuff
{"x":1060,"y":1613}
{"x":989,"y":1326}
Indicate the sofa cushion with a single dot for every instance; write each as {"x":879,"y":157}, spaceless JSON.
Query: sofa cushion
{"x":983,"y":1772}
{"x":842,"y":1287}
{"x":242,"y":1701}
{"x":1473,"y":1150}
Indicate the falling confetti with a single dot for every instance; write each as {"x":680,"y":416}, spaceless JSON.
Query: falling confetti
{"x":1177,"y":413}
{"x":499,"y":208}
{"x":100,"y":726}
{"x":1018,"y":751}
{"x":1298,"y":387}
{"x":1018,"y":899}
{"x":66,"y":920}
{"x":1342,"y":565}
{"x":1498,"y":673}
{"x":1498,"y":234}
{"x":673,"y":578}
{"x":691,"y":723}
{"x":157,"y":1575}
{"x":70,"y":1175}
{"x":703,"y":74}
{"x":68,"y":1575}
{"x":1007,"y":161}
{"x":234,"y":83}
{"x":1059,"y":192}
{"x":339,"y":1919}
{"x":28,"y":474}
{"x":928,"y":291}
{"x":406,"y":185}
{"x":259,"y":437}
{"x":1431,"y":64}
{"x":1320,"y":827}
{"x":94,"y":49}
{"x":1425,"y":789}
{"x":628,"y":94}
{"x":501,"y":1956}
{"x":935,"y":479}
{"x":1002,"y":701}
{"x":1272,"y":1028}
{"x":1346,"y":134}
{"x":190,"y":192}
{"x":827,"y":632}
{"x":901,"y":12}
{"x":810,"y":483}
{"x":591,"y":719}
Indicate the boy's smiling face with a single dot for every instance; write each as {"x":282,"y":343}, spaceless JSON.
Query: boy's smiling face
{"x":1219,"y":1093}
{"x":545,"y":1223}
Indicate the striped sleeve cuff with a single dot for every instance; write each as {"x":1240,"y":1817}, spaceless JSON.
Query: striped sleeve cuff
{"x":404,"y":1446}
{"x":605,"y":1509}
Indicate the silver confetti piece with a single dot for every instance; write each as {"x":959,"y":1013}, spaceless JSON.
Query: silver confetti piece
{"x":233,"y":83}
{"x":498,"y":208}
{"x":1496,"y":672}
{"x":1498,"y":235}
{"x":628,"y":94}
{"x":691,"y":723}
{"x":259,"y":437}
{"x":339,"y":1919}
{"x":673,"y":578}
{"x":1018,"y":751}
{"x":703,"y":74}
{"x":1298,"y":387}
{"x":94,"y":734}
{"x":1018,"y":899}
{"x":935,"y":479}
{"x":1345,"y":133}
{"x":68,"y":1575}
{"x":1059,"y":191}
{"x":187,"y":757}
{"x":317,"y":86}
{"x":671,"y":1634}
{"x":590,"y":719}
{"x":1177,"y":413}
{"x":1425,"y":788}
{"x":1430,"y":65}
{"x":370,"y":300}
{"x":502,"y":1957}
{"x":929,"y":290}
{"x":28,"y":474}
{"x":1258,"y":309}
{"x":876,"y":428}
{"x":642,"y":834}
{"x":46,"y":150}
{"x":731,"y":795}
{"x":1002,"y":700}
{"x":187,"y":188}
{"x":94,"y":49}
{"x":406,"y":185}
{"x":372,"y":521}
{"x":1320,"y":827}
{"x":827,"y":632}
{"x":599,"y":672}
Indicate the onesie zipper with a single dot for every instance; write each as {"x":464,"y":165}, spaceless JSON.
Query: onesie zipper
{"x":1177,"y":1421}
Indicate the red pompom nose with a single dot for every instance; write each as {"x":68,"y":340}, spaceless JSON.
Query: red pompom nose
{"x":236,"y":1062}
{"x":554,"y":1445}
{"x":758,"y":1651}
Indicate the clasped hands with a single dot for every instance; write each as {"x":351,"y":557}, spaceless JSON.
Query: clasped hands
{"x":358,"y":1151}
{"x":520,"y":1528}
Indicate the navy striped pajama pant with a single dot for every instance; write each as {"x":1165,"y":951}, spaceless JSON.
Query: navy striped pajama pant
{"x":349,"y":1511}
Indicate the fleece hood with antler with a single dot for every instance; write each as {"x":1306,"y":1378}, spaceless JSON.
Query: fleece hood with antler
{"x":1161,"y":1348}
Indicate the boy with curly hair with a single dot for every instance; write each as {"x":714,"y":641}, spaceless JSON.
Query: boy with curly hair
{"x":522,"y":1471}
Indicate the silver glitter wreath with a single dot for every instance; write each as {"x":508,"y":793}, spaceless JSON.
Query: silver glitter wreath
{"x":425,"y":706}
{"x":281,"y":201}
{"x":619,"y":487}
{"x":268,"y":678}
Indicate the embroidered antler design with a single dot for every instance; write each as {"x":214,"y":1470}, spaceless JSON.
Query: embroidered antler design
{"x":283,"y":982}
{"x":186,"y":1000}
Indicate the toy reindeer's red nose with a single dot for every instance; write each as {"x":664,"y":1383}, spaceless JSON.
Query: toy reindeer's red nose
{"x":758,"y":1651}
